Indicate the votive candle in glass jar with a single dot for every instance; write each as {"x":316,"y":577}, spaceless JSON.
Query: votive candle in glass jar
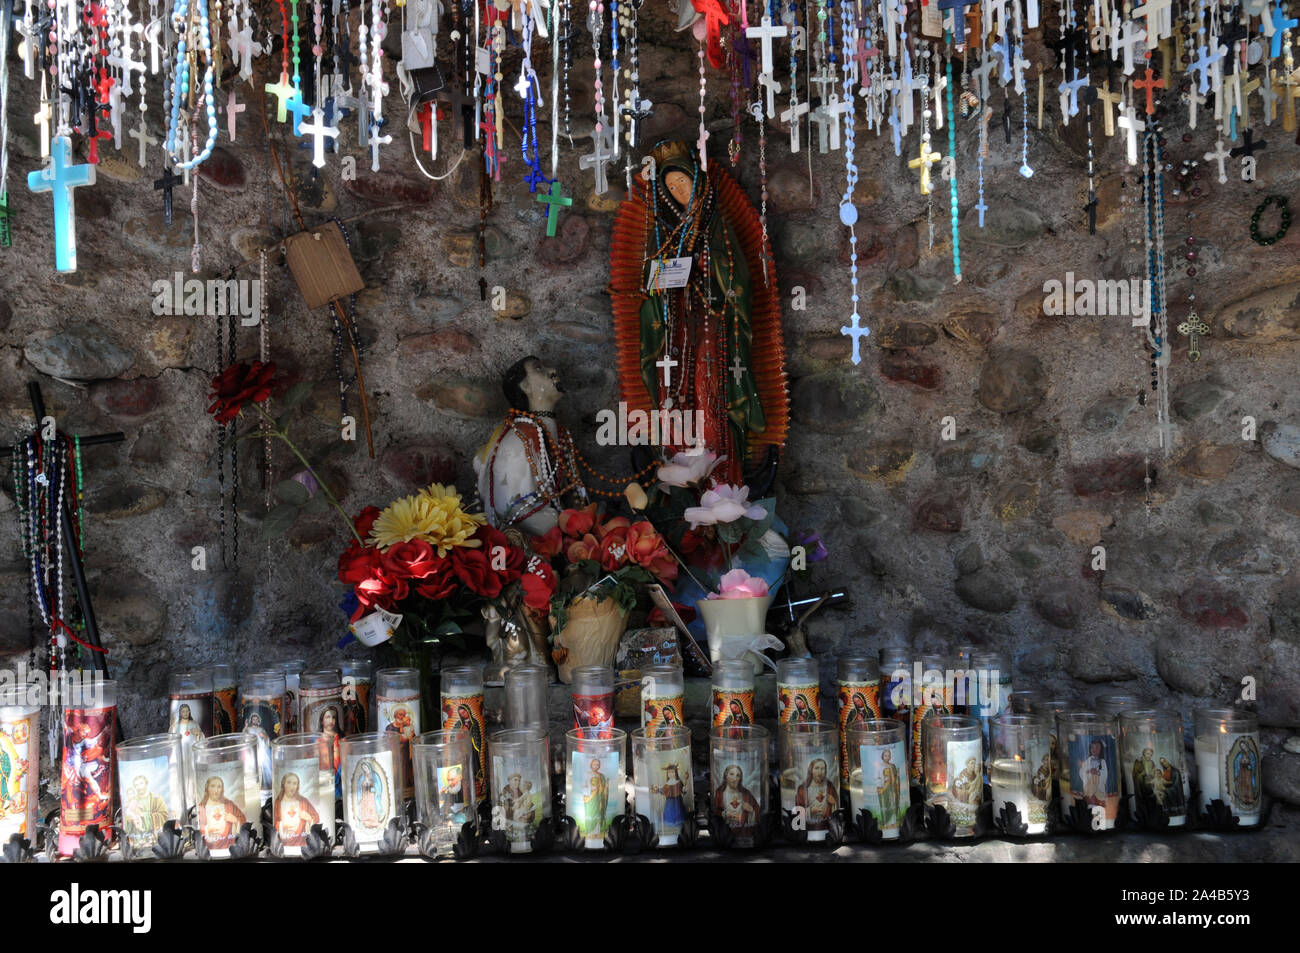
{"x":963,"y":691}
{"x":86,"y":776}
{"x":293,"y":669}
{"x":1052,"y":707}
{"x":877,"y":772}
{"x":733,"y":692}
{"x":189,"y":717}
{"x":896,"y":686}
{"x":226,"y":773}
{"x":462,"y":707}
{"x":355,"y":674}
{"x":1155,"y":767}
{"x":225,"y":695}
{"x":1021,"y":703}
{"x":1089,"y":743}
{"x":1111,"y":704}
{"x":798,"y":690}
{"x":261,"y":715}
{"x":933,"y":687}
{"x":444,"y":785}
{"x":527,"y":690}
{"x":320,"y":697}
{"x":20,"y":739}
{"x":521,"y":784}
{"x":1020,"y":766}
{"x":661,"y":763}
{"x":371,"y":785}
{"x":663,"y":696}
{"x":397,"y":712}
{"x":595,"y":779}
{"x":151,"y":777}
{"x":593,"y":697}
{"x":810,"y":775}
{"x":1228,"y":762}
{"x":992,"y":680}
{"x":858,"y":691}
{"x":952,"y":775}
{"x":304,"y":788}
{"x":738,"y":778}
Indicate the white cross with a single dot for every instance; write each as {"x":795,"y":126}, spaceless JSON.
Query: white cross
{"x":151,"y":33}
{"x":233,"y":108}
{"x":42,"y":118}
{"x":773,"y":87}
{"x":376,"y":141}
{"x":738,"y":369}
{"x":1031,"y":14}
{"x":243,"y":47}
{"x":1270,"y":98}
{"x":1193,"y":99}
{"x":1219,"y":154}
{"x":998,"y":11}
{"x":794,"y":116}
{"x":1019,"y":64}
{"x":1132,"y":36}
{"x":141,"y":133}
{"x":766,"y":33}
{"x":1156,"y":12}
{"x":666,"y":364}
{"x":940,"y":84}
{"x":115,"y":113}
{"x":1128,"y":120}
{"x":602,"y":151}
{"x":27,"y":47}
{"x":828,"y":121}
{"x":318,"y":131}
{"x":891,"y":25}
{"x":982,"y":76}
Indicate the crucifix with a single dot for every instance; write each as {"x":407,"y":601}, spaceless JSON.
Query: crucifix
{"x":168,"y":181}
{"x":27,"y":46}
{"x":1129,"y":122}
{"x":1219,"y":155}
{"x":737,"y":369}
{"x":636,"y":113}
{"x":765,"y":33}
{"x":1193,"y":328}
{"x":822,"y":79}
{"x":319,"y":130}
{"x":1247,"y":155}
{"x":1149,"y":85}
{"x":141,"y":134}
{"x":857,"y":331}
{"x":128,"y":65}
{"x":553,"y":200}
{"x":233,"y":108}
{"x":794,"y":116}
{"x":59,"y":177}
{"x":923,"y":162}
{"x":601,"y":153}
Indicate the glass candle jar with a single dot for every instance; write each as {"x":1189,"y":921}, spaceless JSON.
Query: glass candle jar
{"x":292,"y":669}
{"x":151,"y":776}
{"x":444,"y":785}
{"x":1154,"y":765}
{"x":738,"y":778}
{"x":1020,"y":766}
{"x":933,"y":686}
{"x":1228,"y":762}
{"x":992,"y":685}
{"x":462,"y":707}
{"x":527,"y":690}
{"x":1021,"y":703}
{"x":86,"y":776}
{"x":896,"y":684}
{"x":225,"y":693}
{"x":397,"y":712}
{"x":1051,"y":707}
{"x":1089,"y":743}
{"x":521,"y":784}
{"x":733,"y":692}
{"x":189,"y":717}
{"x":356,"y":678}
{"x":663,"y":696}
{"x":858,"y":693}
{"x":877,"y":756}
{"x":320,"y":698}
{"x":661,"y":763}
{"x":798,"y":690}
{"x":261,"y":715}
{"x":1111,"y":704}
{"x":227,"y":769}
{"x":594,"y":780}
{"x":593,"y":697}
{"x":20,"y":739}
{"x":810,"y":775}
{"x":371,"y":768}
{"x":304,"y":787}
{"x":953,"y":777}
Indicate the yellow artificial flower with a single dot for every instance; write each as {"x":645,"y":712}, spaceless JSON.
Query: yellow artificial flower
{"x":405,"y":519}
{"x":432,"y":515}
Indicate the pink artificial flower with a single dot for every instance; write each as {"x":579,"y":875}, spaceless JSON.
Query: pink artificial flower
{"x":739,"y":584}
{"x":686,"y":469}
{"x":723,"y":504}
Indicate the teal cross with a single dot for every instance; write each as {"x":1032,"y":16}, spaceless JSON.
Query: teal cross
{"x":60,"y":177}
{"x":553,"y":200}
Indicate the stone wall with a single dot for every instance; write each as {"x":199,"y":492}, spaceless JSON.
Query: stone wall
{"x":988,"y":537}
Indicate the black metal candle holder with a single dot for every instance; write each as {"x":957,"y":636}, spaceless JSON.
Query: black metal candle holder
{"x":92,"y":847}
{"x":17,"y":850}
{"x":1009,"y":822}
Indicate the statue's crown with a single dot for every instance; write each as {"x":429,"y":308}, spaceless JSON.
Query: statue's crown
{"x":670,"y":149}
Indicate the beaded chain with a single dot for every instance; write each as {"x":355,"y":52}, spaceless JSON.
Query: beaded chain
{"x":615,"y":67}
{"x":566,"y":41}
{"x":181,"y":82}
{"x":264,"y":355}
{"x":849,"y":212}
{"x":353,"y":335}
{"x":595,"y":22}
{"x":704,"y":133}
{"x":952,"y":182}
{"x":1154,"y":212}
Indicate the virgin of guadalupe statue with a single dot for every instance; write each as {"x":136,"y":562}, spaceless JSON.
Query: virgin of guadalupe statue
{"x":711,"y":344}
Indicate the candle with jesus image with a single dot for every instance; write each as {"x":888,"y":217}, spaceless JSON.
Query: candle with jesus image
{"x":810,"y":776}
{"x":1090,"y":745}
{"x":304,"y":788}
{"x":738,"y":779}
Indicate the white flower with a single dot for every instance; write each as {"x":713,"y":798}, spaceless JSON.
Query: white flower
{"x":687,"y":468}
{"x":723,"y":504}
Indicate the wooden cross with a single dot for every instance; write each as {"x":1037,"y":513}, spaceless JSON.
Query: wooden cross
{"x":765,"y":33}
{"x":985,"y":116}
{"x":1193,"y":328}
{"x":1149,"y":86}
{"x":923,"y":162}
{"x":169,"y":180}
{"x":1108,"y":101}
{"x":1243,"y":95}
{"x":233,"y":108}
{"x":60,"y":177}
{"x":553,"y":200}
{"x":1220,"y":155}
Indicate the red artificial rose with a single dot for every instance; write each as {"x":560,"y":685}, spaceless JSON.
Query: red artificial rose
{"x":699,"y":548}
{"x":496,"y":544}
{"x":610,"y":525}
{"x":382,"y":590}
{"x":358,"y":563}
{"x":365,"y":521}
{"x":580,"y":549}
{"x":440,"y":586}
{"x":539,"y":586}
{"x":550,"y":544}
{"x":413,"y":560}
{"x":474,"y":569}
{"x":613,"y":549}
{"x":647,"y":549}
{"x":577,"y":523}
{"x":237,"y":385}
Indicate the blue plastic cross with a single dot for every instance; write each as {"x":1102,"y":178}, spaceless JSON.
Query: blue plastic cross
{"x":60,"y":177}
{"x":1204,"y":61}
{"x":1002,"y":47}
{"x":958,"y":18}
{"x":856,"y":331}
{"x":1280,"y":23}
{"x":981,"y":208}
{"x":299,"y":109}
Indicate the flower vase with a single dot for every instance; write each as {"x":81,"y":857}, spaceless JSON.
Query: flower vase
{"x":732,"y":624}
{"x":590,"y":635}
{"x":425,"y":658}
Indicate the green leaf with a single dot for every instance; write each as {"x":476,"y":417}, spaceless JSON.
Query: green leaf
{"x":447,"y":627}
{"x":292,"y":492}
{"x":317,"y":504}
{"x":297,"y":394}
{"x":279,"y":519}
